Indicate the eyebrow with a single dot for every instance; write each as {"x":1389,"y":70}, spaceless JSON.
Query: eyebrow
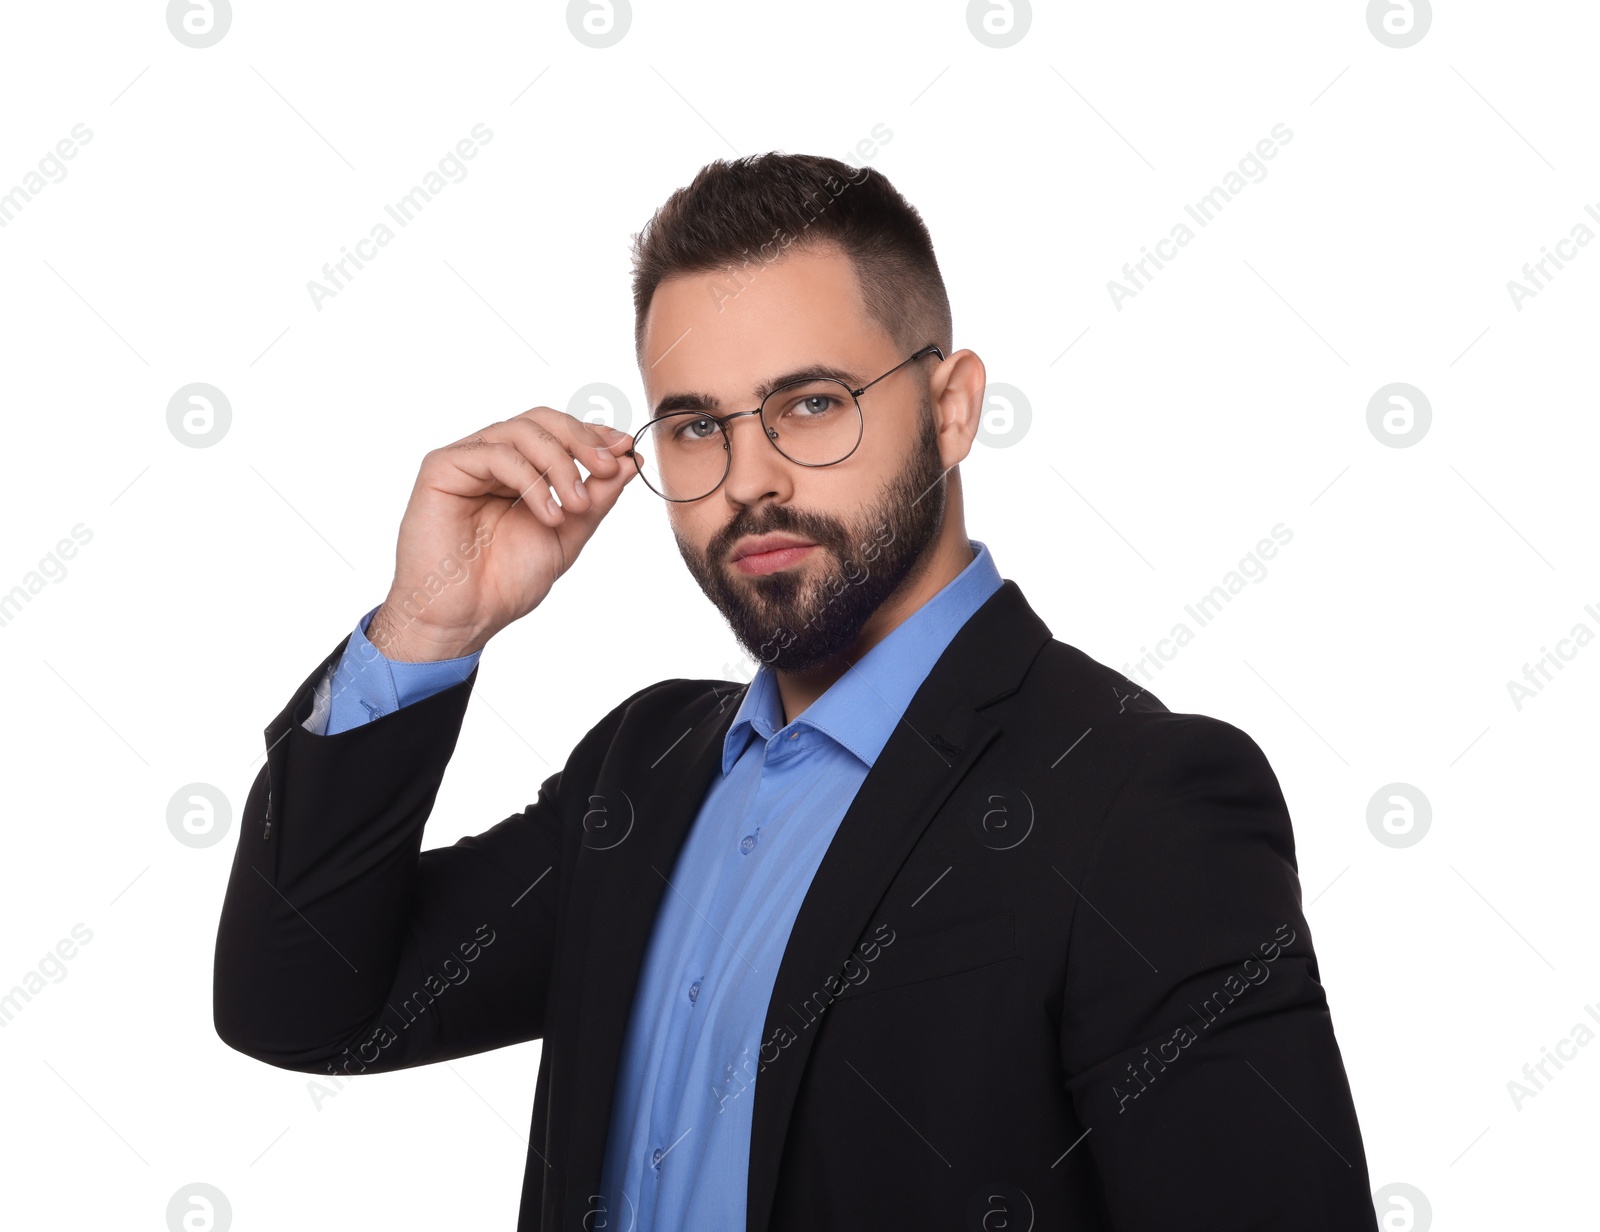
{"x":691,"y":401}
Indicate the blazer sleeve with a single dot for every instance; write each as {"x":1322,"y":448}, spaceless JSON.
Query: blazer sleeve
{"x":342,"y":946}
{"x":1196,"y":1036}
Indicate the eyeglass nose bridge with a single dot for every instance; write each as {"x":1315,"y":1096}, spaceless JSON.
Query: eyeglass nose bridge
{"x":722,"y":422}
{"x":725,"y":420}
{"x":725,"y":424}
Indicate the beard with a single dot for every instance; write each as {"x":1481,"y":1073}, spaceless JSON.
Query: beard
{"x":795,"y":618}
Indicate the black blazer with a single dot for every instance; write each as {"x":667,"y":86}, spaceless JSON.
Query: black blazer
{"x":1052,"y":971}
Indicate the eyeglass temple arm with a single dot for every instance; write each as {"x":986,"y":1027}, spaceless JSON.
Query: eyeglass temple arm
{"x":856,"y":393}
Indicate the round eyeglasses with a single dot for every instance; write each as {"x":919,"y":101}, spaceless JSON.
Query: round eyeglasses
{"x":685,"y":455}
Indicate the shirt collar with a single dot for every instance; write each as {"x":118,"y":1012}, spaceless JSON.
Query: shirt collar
{"x":860,"y":710}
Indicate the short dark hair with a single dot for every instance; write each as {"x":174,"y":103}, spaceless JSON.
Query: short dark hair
{"x":737,"y":215}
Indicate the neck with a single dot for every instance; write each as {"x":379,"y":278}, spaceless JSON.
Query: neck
{"x":947,"y":556}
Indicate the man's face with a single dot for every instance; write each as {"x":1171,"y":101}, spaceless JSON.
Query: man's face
{"x":871,"y":518}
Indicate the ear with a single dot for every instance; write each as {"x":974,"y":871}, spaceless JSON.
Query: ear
{"x":956,"y":388}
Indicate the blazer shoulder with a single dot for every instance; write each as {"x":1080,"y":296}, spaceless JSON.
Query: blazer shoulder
{"x":1089,"y":696}
{"x":676,"y":700}
{"x":1155,"y":778}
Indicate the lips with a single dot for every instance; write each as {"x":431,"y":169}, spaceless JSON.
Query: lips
{"x":770,"y":553}
{"x":768,"y":543}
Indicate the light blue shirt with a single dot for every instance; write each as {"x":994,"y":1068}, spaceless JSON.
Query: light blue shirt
{"x":365,"y":685}
{"x":678,"y":1152}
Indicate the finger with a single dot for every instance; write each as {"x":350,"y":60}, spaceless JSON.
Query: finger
{"x":550,"y":453}
{"x":591,"y":443}
{"x":600,"y":447}
{"x":601,"y":438}
{"x":627,"y":470}
{"x":496,"y":468}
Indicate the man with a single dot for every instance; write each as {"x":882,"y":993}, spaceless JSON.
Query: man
{"x":937,"y":923}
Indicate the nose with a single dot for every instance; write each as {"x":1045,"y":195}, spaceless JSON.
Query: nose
{"x":757,"y":470}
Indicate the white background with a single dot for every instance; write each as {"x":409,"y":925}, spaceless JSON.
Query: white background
{"x":1166,"y":437}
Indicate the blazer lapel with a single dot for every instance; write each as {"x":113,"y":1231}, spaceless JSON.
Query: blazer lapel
{"x":621,"y":873}
{"x":940,"y":736}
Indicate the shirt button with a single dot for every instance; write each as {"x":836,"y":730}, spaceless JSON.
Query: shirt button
{"x":747,"y":844}
{"x":793,"y":734}
{"x":694,"y":991}
{"x":655,"y":1160}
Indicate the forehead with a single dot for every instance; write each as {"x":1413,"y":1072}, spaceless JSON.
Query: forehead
{"x":727,"y":331}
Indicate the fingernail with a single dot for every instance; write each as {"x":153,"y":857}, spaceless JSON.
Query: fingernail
{"x":554,"y":508}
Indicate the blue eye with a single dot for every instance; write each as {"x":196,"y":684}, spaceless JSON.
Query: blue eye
{"x":807,"y":402}
{"x":686,"y":431}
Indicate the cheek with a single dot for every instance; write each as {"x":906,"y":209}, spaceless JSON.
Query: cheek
{"x":695,"y":524}
{"x":856,"y":483}
{"x":884,"y":451}
{"x":842,"y":492}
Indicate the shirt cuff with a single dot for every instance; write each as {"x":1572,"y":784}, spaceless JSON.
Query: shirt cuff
{"x":366,"y":685}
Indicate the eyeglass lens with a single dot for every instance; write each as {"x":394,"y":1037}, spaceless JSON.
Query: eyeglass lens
{"x":684,"y":455}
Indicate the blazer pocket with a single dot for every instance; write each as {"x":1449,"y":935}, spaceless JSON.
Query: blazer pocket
{"x":914,"y":958}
